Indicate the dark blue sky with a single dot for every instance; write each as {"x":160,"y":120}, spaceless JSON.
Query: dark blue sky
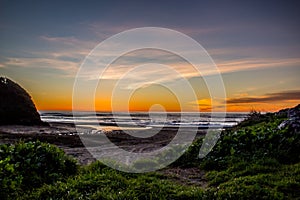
{"x":240,"y":22}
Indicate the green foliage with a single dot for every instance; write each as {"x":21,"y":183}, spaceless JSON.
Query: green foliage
{"x":10,"y":179}
{"x":255,"y":160}
{"x":263,"y":179}
{"x":99,"y":182}
{"x":24,"y":166}
{"x":37,"y":170}
{"x":262,"y":140}
{"x":255,"y":118}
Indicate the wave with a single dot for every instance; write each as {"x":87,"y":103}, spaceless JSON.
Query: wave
{"x":200,"y":120}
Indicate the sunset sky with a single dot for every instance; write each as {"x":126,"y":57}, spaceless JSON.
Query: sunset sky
{"x":254,"y":44}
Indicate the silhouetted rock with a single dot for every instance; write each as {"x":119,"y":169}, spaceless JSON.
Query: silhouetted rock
{"x":16,"y":106}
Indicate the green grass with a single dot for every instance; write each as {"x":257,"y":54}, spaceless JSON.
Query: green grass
{"x":263,"y":179}
{"x":99,"y":182}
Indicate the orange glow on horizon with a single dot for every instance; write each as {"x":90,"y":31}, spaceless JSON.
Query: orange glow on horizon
{"x":137,"y":104}
{"x":143,"y":99}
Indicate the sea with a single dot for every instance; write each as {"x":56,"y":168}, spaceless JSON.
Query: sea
{"x":145,"y":120}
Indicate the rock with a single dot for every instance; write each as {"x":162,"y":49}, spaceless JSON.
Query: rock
{"x":293,"y":121}
{"x":16,"y":106}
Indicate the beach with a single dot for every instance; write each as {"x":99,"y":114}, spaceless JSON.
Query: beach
{"x":137,"y":132}
{"x":65,"y":136}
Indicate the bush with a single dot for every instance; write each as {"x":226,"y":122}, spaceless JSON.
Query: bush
{"x":254,"y":142}
{"x":25,"y":166}
{"x":255,"y":160}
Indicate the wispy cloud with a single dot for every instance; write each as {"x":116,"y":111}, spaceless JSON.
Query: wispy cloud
{"x":38,"y":63}
{"x":66,"y":56}
{"x":77,"y":49}
{"x":69,"y":52}
{"x":244,"y":102}
{"x":187,"y":71}
{"x":142,"y":68}
{"x":252,"y":63}
{"x":234,"y":51}
{"x":72,"y":41}
{"x":267,"y":98}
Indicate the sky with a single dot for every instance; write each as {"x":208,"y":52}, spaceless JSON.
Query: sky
{"x":255,"y":46}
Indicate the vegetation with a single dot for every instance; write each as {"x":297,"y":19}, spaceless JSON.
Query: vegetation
{"x":262,"y":179}
{"x":99,"y":182}
{"x":25,"y":166}
{"x":258,"y":140}
{"x":257,"y":159}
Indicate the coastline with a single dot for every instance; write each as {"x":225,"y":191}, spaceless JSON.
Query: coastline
{"x":64,"y":135}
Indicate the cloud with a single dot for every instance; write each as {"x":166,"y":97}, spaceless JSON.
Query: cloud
{"x":69,"y":52}
{"x":251,"y":64}
{"x":202,"y":102}
{"x":267,"y":102}
{"x":71,"y":41}
{"x":75,"y":49}
{"x":209,"y":104}
{"x":183,"y":68}
{"x":66,"y":47}
{"x":234,"y":51}
{"x":268,"y":98}
{"x":67,"y":66}
{"x":65,"y":54}
{"x":152,"y":61}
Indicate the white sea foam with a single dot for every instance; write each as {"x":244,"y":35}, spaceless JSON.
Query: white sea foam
{"x":144,"y":120}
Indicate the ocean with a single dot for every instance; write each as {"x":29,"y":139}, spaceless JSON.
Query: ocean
{"x":143,"y":120}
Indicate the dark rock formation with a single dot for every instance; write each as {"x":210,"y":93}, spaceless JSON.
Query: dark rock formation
{"x":16,"y":106}
{"x":293,"y":121}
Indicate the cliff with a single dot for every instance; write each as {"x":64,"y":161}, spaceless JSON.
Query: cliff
{"x":16,"y":105}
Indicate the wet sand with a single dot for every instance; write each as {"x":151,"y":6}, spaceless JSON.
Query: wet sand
{"x":67,"y":137}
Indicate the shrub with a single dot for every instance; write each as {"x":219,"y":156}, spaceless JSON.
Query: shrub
{"x":24,"y":166}
{"x":262,"y":140}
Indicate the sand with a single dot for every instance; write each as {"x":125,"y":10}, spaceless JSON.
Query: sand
{"x":66,"y":136}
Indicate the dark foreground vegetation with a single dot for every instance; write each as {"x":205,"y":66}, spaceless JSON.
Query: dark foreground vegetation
{"x":258,"y":159}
